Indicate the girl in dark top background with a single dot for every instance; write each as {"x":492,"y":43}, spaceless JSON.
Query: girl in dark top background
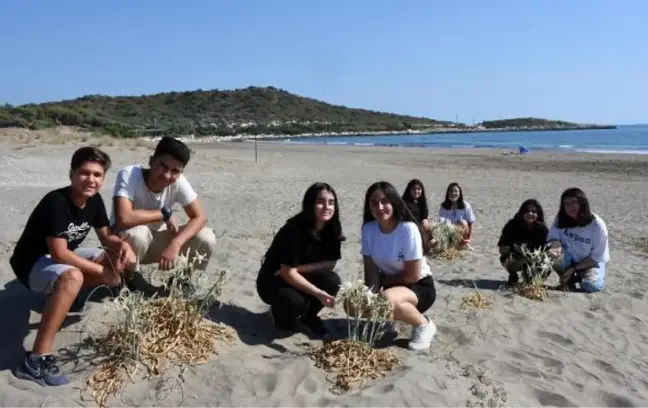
{"x":416,"y":200}
{"x":296,"y":277}
{"x":526,"y":227}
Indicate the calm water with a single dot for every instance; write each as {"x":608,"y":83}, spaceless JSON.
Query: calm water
{"x":625,"y":139}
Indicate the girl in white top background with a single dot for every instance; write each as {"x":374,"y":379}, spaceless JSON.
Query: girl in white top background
{"x":578,"y":241}
{"x":394,"y":251}
{"x":456,"y":210}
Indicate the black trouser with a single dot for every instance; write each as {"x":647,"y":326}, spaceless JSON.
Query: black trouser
{"x":288,"y":303}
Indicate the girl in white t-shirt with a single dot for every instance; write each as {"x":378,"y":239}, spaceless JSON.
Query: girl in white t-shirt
{"x":393,"y":251}
{"x":578,"y":242}
{"x":454,"y":209}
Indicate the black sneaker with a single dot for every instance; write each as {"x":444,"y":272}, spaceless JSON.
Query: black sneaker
{"x":315,"y":325}
{"x":42,"y":370}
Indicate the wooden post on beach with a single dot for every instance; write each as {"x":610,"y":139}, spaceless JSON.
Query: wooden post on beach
{"x":255,"y":149}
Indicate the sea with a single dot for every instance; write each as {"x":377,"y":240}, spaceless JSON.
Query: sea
{"x":626,"y":139}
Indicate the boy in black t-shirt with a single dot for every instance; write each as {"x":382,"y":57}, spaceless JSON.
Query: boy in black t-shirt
{"x":47,"y":258}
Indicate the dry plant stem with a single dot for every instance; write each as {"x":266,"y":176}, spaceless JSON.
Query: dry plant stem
{"x":353,"y":362}
{"x":150,"y":332}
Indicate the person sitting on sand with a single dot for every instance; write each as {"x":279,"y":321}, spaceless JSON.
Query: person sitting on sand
{"x":528,"y":228}
{"x":296,"y":277}
{"x":578,"y":242}
{"x":143,"y":201}
{"x":393,"y":251}
{"x":416,"y":200}
{"x":48,"y":258}
{"x":455,"y":210}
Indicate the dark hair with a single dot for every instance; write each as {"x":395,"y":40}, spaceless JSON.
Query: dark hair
{"x":400,"y":211}
{"x":89,"y":154}
{"x":447,"y":204}
{"x":531,"y":202}
{"x":306,"y":217}
{"x":407,"y":196}
{"x":585,"y":215}
{"x":174,"y":148}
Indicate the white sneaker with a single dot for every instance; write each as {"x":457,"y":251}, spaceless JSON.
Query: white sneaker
{"x":422,"y":336}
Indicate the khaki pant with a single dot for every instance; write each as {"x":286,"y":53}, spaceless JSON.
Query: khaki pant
{"x":148,"y":244}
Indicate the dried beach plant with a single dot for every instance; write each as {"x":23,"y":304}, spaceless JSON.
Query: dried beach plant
{"x":448,"y":239}
{"x":153,"y":332}
{"x":537,"y":267}
{"x":354,"y":359}
{"x":476,"y":300}
{"x":360,"y":302}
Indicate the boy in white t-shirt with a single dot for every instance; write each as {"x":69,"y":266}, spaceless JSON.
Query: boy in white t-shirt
{"x":143,"y":201}
{"x":578,"y":242}
{"x":393,"y":251}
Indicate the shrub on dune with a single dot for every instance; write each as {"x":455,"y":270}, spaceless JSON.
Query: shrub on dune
{"x":355,"y":359}
{"x":152,"y":333}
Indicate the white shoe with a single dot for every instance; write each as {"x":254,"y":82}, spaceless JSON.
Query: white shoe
{"x":422,"y":336}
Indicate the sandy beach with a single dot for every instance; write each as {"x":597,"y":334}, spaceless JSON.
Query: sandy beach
{"x":570,"y":350}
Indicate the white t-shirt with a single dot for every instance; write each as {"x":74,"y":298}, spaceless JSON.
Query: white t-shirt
{"x":458,"y":214}
{"x":130,"y":183}
{"x":390,"y":251}
{"x":582,"y":242}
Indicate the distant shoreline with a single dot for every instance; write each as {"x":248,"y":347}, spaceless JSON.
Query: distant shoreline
{"x":427,"y":131}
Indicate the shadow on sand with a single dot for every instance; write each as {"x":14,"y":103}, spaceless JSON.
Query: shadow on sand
{"x":17,"y":303}
{"x":481,"y":284}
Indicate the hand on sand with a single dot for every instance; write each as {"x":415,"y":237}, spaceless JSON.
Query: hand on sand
{"x":326,"y":299}
{"x":167,"y":258}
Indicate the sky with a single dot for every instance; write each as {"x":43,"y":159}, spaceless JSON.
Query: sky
{"x":475,"y":60}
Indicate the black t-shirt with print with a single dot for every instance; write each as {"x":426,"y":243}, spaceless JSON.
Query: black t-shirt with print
{"x":517,"y":232}
{"x":294,"y":245}
{"x":55,"y":216}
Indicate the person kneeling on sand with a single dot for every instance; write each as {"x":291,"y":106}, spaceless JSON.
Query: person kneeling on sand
{"x":47,"y":258}
{"x":455,"y":210}
{"x":528,"y":228}
{"x":393,"y":251}
{"x":142,"y":210}
{"x":296,"y":277}
{"x":578,"y":243}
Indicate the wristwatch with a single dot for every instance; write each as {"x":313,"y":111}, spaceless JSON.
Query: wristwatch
{"x":166,"y":213}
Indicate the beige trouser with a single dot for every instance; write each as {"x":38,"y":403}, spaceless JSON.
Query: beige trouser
{"x":148,"y":244}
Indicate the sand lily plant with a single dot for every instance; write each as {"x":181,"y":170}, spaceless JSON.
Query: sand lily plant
{"x":448,"y":240}
{"x":152,"y":332}
{"x":538,"y":266}
{"x":355,"y":359}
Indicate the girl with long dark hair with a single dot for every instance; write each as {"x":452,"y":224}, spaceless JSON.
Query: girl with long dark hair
{"x":528,"y":228}
{"x":393,"y":250}
{"x":296,"y":277}
{"x":456,"y":210}
{"x":416,"y":200}
{"x":578,"y":241}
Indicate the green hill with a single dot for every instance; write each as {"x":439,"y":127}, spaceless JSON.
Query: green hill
{"x":252,"y":110}
{"x":538,"y":124}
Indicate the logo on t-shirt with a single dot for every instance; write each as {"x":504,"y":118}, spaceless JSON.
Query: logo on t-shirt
{"x":576,"y":237}
{"x":401,"y":256}
{"x":76,"y":232}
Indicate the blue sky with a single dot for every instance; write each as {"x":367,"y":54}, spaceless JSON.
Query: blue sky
{"x":580,"y":60}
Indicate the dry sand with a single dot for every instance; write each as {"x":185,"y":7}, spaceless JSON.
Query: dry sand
{"x":570,"y":350}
